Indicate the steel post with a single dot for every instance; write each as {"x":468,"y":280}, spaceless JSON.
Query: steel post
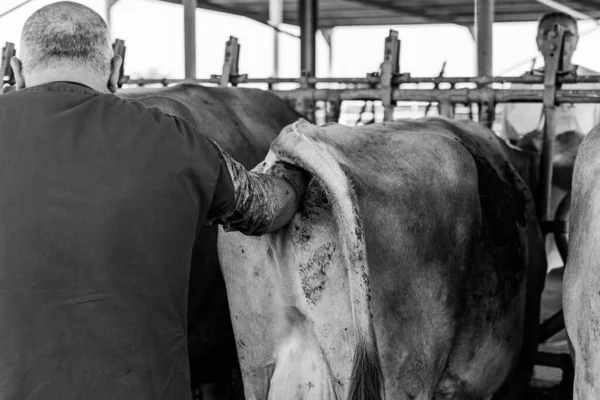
{"x":276,"y":18}
{"x":552,"y":52}
{"x":307,"y":14}
{"x":189,"y":29}
{"x":484,"y":21}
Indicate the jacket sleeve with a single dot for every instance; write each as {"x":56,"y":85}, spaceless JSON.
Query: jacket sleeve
{"x":241,"y":200}
{"x":259,"y":199}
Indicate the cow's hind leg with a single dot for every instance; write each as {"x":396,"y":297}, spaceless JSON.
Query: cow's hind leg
{"x":488,"y":345}
{"x":582,"y":319}
{"x":301,"y":371}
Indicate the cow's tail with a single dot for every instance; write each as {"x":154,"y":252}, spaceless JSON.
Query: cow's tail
{"x":294,"y":146}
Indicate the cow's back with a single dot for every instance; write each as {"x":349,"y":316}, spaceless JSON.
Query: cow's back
{"x":243,"y":122}
{"x":447,"y":291}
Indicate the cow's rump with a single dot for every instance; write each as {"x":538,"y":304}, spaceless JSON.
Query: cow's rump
{"x":450,"y":237}
{"x":243,"y":122}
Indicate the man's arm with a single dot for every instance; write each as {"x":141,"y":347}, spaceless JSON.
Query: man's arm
{"x":262,"y":203}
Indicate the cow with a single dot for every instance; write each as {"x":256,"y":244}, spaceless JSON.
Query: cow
{"x":581,"y":282}
{"x":566,"y":145}
{"x":413,"y":269}
{"x":243,"y":122}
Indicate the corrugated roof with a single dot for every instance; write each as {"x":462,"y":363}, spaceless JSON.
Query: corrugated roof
{"x":395,"y":12}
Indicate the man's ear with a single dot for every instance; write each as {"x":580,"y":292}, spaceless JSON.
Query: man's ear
{"x":17,"y":68}
{"x":113,"y":78}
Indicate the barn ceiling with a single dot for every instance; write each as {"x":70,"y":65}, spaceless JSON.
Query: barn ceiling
{"x":395,"y":12}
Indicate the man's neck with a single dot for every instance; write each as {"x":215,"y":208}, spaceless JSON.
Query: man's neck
{"x":570,"y":67}
{"x":44,"y":77}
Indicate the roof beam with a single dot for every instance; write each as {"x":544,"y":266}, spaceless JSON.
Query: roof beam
{"x":15,"y":8}
{"x":567,"y":10}
{"x":109,"y":6}
{"x":415,"y":12}
{"x":207,"y":5}
{"x":591,"y":5}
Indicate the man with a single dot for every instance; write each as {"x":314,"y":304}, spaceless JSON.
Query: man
{"x":520,"y":119}
{"x":100,"y":202}
{"x":523,"y":123}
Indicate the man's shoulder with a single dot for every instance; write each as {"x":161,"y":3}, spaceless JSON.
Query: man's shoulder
{"x":534,"y":72}
{"x":137,"y":109}
{"x":583,"y":71}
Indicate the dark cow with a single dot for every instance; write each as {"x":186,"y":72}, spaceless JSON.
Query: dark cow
{"x":414,"y":269}
{"x":243,"y":122}
{"x":581,"y":284}
{"x":566,"y":145}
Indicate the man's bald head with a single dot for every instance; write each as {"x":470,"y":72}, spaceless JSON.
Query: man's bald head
{"x":66,"y":36}
{"x":66,"y":32}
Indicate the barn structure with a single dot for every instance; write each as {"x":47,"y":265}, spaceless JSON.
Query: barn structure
{"x":386,"y":84}
{"x":324,"y":15}
{"x":478,"y":16}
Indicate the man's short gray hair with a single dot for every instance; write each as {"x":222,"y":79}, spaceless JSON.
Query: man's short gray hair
{"x":66,"y":32}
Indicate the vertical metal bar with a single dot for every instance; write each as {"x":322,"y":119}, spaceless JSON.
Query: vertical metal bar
{"x":307,"y":13}
{"x":484,"y":20}
{"x":334,"y":107}
{"x":109,"y":4}
{"x":446,"y":109}
{"x":328,"y":36}
{"x":562,"y":243}
{"x":120,"y":49}
{"x":276,"y":18}
{"x":6,"y":72}
{"x":389,"y":68}
{"x":231,"y":62}
{"x":189,"y":29}
{"x":552,"y":52}
{"x":545,"y":188}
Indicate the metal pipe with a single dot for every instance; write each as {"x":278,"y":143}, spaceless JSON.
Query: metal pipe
{"x":551,"y":326}
{"x":561,"y":360}
{"x":109,"y":6}
{"x":552,"y":51}
{"x":562,"y":243}
{"x":15,"y":8}
{"x":400,"y":80}
{"x":546,"y":167}
{"x":275,"y":19}
{"x":189,"y":29}
{"x":484,"y":21}
{"x":307,"y":13}
{"x":455,"y":96}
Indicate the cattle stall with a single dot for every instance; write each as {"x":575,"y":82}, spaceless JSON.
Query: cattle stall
{"x":321,"y":99}
{"x":386,"y":87}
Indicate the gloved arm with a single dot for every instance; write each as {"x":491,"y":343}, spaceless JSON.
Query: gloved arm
{"x":263,"y":203}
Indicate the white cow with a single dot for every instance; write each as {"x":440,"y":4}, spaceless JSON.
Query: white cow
{"x":581,"y":285}
{"x":405,"y":273}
